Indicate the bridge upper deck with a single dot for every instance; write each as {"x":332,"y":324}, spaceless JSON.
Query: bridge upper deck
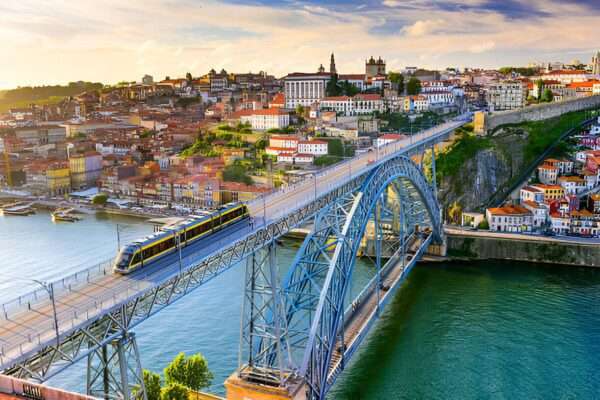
{"x":27,"y":325}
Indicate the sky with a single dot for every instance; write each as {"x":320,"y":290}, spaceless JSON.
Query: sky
{"x":57,"y":41}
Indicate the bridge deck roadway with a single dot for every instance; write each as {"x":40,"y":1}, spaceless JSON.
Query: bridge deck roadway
{"x":25,"y":328}
{"x":364,"y":312}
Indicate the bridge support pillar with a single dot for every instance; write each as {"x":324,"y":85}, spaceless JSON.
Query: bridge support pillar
{"x":242,"y":389}
{"x":114,"y":370}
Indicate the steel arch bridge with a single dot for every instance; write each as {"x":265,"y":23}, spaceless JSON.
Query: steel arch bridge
{"x":296,"y":331}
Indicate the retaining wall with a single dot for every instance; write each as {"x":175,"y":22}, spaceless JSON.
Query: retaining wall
{"x":486,"y":123}
{"x":550,"y":252}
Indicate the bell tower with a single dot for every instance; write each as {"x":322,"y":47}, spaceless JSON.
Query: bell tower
{"x":332,"y":69}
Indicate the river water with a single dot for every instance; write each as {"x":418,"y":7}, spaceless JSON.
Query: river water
{"x":454,"y":331}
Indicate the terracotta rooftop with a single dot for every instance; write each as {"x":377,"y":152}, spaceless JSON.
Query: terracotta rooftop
{"x":509,"y":210}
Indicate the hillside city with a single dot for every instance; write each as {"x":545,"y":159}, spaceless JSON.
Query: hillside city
{"x":182,"y":144}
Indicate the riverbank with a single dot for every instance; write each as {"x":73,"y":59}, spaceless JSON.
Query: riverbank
{"x":475,"y":246}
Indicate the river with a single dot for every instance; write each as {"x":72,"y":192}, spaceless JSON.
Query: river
{"x":469,"y":331}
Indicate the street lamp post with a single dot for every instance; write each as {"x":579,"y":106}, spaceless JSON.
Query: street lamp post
{"x":49,"y":288}
{"x":118,"y":227}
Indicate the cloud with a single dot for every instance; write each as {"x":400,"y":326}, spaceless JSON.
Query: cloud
{"x":482,"y":47}
{"x":123,"y":40}
{"x":421,"y":28}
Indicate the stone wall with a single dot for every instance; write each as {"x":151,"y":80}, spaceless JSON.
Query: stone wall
{"x":550,"y":252}
{"x":486,"y":123}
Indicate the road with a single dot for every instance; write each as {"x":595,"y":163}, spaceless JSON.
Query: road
{"x":276,"y":205}
{"x":24,"y":328}
{"x":522,"y":236}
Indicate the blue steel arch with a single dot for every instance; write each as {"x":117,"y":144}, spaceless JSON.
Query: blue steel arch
{"x":315,"y":287}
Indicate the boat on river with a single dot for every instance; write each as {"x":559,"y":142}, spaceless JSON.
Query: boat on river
{"x":64,"y":215}
{"x":19,"y":208}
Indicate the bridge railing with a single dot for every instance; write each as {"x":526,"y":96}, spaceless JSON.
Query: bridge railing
{"x":378,"y":155}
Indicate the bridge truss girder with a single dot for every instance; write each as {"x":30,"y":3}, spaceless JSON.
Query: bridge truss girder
{"x":52,"y":356}
{"x":316,"y":286}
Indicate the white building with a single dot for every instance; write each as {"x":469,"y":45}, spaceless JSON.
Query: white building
{"x":439,"y":97}
{"x":567,"y":75}
{"x":561,"y":225}
{"x":360,"y":104}
{"x":293,"y":150}
{"x":295,"y":158}
{"x":313,"y":147}
{"x":264,"y":119}
{"x":572,"y":184}
{"x":388,"y":138}
{"x":506,"y":95}
{"x":340,"y":104}
{"x":530,"y":193}
{"x":305,"y":88}
{"x":547,"y":174}
{"x":509,"y":219}
{"x":417,"y":103}
{"x":539,"y":212}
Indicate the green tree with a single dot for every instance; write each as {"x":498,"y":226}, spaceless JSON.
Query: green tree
{"x":188,"y":77}
{"x":398,"y":79}
{"x":413,"y":86}
{"x":348,"y":89}
{"x":100,"y":199}
{"x":455,"y":212}
{"x":547,"y":96}
{"x":333,"y":89}
{"x":482,"y":225}
{"x":152,"y":385}
{"x":174,"y":391}
{"x":540,"y":88}
{"x":191,"y":372}
{"x":300,"y":110}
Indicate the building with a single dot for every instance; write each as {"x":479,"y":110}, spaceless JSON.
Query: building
{"x":547,"y":174}
{"x":305,"y":88}
{"x":572,"y":184}
{"x":218,"y":81}
{"x":565,"y":167}
{"x":506,"y":95}
{"x":510,"y":219}
{"x":530,"y":193}
{"x":295,"y":158}
{"x":314,"y":147}
{"x":596,"y":64}
{"x":551,"y":192}
{"x":147,"y":80}
{"x":439,"y":97}
{"x":283,"y":142}
{"x":41,"y":135}
{"x":264,"y":119}
{"x":593,"y":203}
{"x":360,"y":104}
{"x":567,"y":76}
{"x":388,"y":138}
{"x":417,"y":103}
{"x":278,"y":101}
{"x":539,"y":212}
{"x":374,"y":67}
{"x":58,"y":178}
{"x":560,"y":224}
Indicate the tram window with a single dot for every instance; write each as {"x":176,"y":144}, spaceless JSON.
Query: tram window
{"x":136,"y":258}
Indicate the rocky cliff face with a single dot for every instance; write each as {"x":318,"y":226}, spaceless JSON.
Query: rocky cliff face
{"x":490,"y":170}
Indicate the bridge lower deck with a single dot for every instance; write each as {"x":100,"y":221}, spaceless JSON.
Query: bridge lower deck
{"x":365,"y":312}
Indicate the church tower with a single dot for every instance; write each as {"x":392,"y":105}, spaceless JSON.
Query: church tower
{"x":332,"y":69}
{"x":596,"y":64}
